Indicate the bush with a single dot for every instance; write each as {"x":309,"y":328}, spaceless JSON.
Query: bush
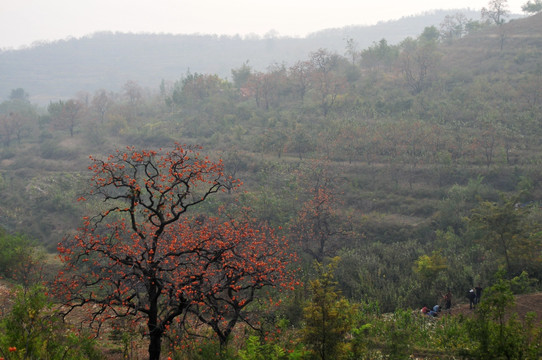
{"x":499,"y":334}
{"x":51,"y":150}
{"x":523,"y":284}
{"x":255,"y":350}
{"x":33,"y":331}
{"x":18,"y":258}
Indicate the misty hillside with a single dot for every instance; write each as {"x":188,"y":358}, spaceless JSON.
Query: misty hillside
{"x":490,"y":51}
{"x":404,"y":170}
{"x":59,"y":69}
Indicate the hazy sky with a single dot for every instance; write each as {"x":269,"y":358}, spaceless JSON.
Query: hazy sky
{"x":25,"y":21}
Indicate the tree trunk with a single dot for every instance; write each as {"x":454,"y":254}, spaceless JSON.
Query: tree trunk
{"x":155,"y":331}
{"x":505,"y":248}
{"x":155,"y":345}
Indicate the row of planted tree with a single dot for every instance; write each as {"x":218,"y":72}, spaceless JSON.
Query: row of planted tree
{"x":447,"y":134}
{"x":347,"y":106}
{"x":141,"y":263}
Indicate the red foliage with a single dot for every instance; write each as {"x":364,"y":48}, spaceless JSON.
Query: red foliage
{"x":246,"y":258}
{"x":142,"y":257}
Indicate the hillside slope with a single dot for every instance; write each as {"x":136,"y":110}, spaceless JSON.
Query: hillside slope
{"x":106,"y":60}
{"x":493,"y":49}
{"x":524,"y":304}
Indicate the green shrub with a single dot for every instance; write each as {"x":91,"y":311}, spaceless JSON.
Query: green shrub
{"x":500,"y":334}
{"x":33,"y":331}
{"x":18,"y":258}
{"x":51,"y":150}
{"x":328,"y":316}
{"x":255,"y":350}
{"x":523,"y":284}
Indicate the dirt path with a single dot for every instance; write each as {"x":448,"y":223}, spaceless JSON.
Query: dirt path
{"x":524,"y":304}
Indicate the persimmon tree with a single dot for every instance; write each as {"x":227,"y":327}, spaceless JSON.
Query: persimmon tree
{"x":246,"y":258}
{"x":101,"y":103}
{"x":418,"y":61}
{"x":314,"y":226}
{"x":326,"y":82}
{"x":496,"y":11}
{"x":317,"y":228}
{"x":138,"y":257}
{"x":65,"y":115}
{"x":299,"y":76}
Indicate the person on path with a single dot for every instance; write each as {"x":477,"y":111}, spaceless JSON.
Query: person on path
{"x":472,"y":298}
{"x":448,"y":300}
{"x":478,"y":293}
{"x":425,"y":310}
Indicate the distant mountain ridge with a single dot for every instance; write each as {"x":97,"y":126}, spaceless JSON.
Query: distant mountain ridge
{"x":60,"y":69}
